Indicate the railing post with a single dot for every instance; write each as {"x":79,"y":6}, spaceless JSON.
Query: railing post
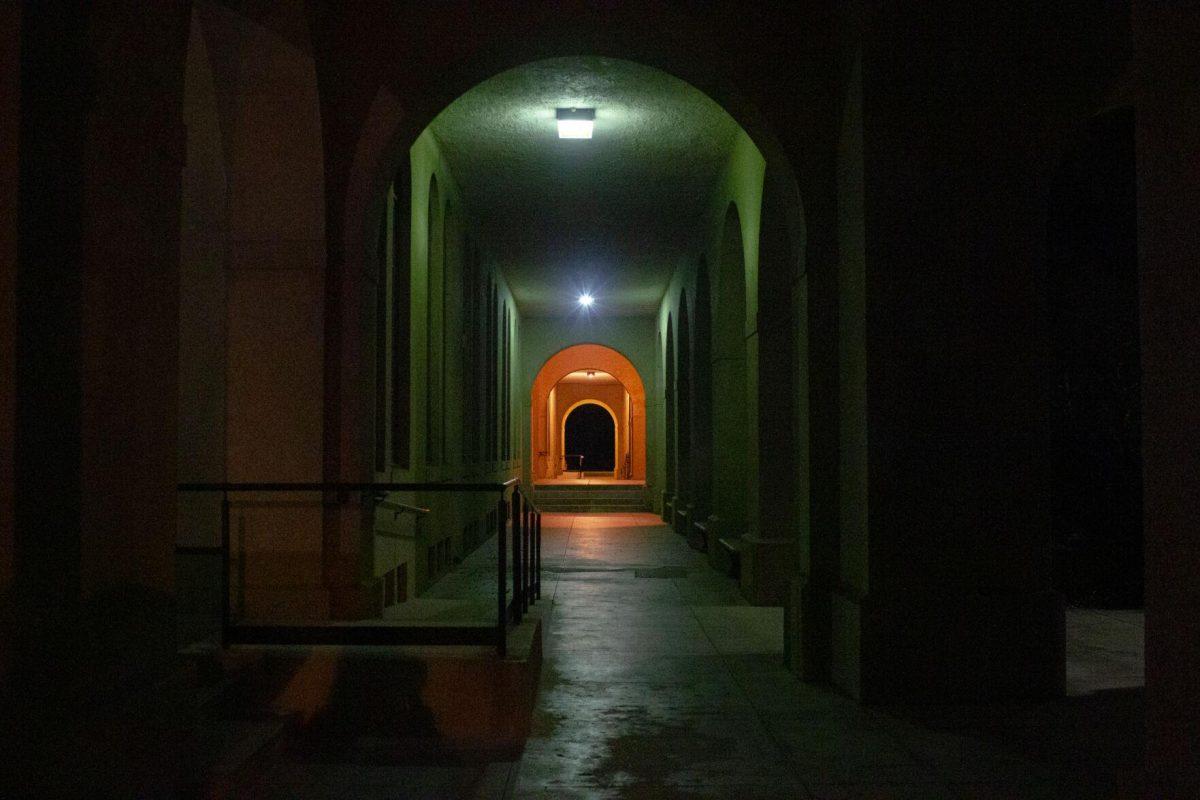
{"x":529,"y":557}
{"x":518,"y":579}
{"x":225,"y":556}
{"x":537,"y":554}
{"x":501,"y":580}
{"x":527,"y":539}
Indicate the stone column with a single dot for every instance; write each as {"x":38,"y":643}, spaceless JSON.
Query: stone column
{"x":945,"y":584}
{"x":1168,"y":139}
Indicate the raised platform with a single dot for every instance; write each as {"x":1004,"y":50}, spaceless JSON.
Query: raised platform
{"x":411,"y":701}
{"x":591,"y":495}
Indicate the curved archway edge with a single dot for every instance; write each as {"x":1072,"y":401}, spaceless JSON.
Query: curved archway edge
{"x":616,"y":425}
{"x":585,"y":356}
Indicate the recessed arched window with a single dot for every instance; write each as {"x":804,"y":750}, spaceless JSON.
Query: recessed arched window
{"x":506,"y":426}
{"x":669,"y":407}
{"x":683,"y":399}
{"x":702,"y":389}
{"x":470,"y":351}
{"x":434,"y":277}
{"x":401,"y":219}
{"x":730,"y":428}
{"x":380,"y":325}
{"x":493,"y":372}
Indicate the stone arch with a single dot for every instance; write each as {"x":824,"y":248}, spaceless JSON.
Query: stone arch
{"x":731,"y":437}
{"x":441,"y":87}
{"x":683,"y":404}
{"x":434,"y":279}
{"x":669,"y":417}
{"x":203,"y":243}
{"x":252,"y":103}
{"x":586,"y":356}
{"x":702,"y":393}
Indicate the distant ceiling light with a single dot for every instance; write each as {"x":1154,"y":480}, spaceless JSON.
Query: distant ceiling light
{"x":591,"y":373}
{"x":586,"y":300}
{"x":575,"y":123}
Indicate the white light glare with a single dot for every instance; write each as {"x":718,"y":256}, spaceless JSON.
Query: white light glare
{"x":575,"y":128}
{"x":586,"y":300}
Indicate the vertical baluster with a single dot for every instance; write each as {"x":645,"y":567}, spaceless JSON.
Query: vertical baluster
{"x":517,"y":581}
{"x":501,"y":580}
{"x":527,"y":572}
{"x":537,"y":554}
{"x":225,"y":556}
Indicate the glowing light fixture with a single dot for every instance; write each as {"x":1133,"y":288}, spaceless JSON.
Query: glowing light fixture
{"x":591,"y":373}
{"x":586,"y":300}
{"x":575,"y":123}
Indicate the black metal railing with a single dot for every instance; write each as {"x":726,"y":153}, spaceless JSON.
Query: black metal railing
{"x":566,"y":465}
{"x":513,"y":509}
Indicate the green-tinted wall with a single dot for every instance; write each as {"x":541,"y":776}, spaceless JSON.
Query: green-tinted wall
{"x":465,"y":421}
{"x":741,"y":185}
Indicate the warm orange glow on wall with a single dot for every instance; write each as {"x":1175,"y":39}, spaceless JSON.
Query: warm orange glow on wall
{"x":595,"y":357}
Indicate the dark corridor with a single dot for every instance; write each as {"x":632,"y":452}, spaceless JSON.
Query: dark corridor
{"x":590,"y":432}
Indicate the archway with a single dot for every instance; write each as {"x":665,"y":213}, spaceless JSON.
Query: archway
{"x":730,"y":430}
{"x":668,"y":502}
{"x":701,"y":402}
{"x":683,"y":404}
{"x":589,"y":429}
{"x":588,"y":373}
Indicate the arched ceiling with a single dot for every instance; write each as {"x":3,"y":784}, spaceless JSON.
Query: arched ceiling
{"x":612,"y":215}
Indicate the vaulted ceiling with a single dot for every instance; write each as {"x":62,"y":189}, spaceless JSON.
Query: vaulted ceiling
{"x":611,"y":215}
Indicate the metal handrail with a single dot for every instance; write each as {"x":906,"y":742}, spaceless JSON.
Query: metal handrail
{"x":526,"y":522}
{"x":337,"y":486}
{"x":400,"y":508}
{"x":573,"y":455}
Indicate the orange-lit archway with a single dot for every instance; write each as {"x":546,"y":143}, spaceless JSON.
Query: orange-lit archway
{"x":543,"y":417}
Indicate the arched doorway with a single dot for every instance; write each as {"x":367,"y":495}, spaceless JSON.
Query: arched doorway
{"x":580,"y":375}
{"x":589,"y":430}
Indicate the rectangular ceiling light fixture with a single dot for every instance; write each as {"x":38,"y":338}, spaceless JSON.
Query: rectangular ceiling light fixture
{"x":575,"y":123}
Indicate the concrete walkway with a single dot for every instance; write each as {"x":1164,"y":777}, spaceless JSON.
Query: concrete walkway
{"x":659,"y":682}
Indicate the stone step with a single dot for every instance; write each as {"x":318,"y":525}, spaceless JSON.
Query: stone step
{"x":549,"y":501}
{"x":578,"y":490}
{"x":562,"y":498}
{"x":588,"y":494}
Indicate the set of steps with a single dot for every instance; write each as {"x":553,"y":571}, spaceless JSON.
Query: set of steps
{"x":591,"y":498}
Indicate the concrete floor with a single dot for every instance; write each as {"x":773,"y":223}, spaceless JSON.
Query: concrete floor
{"x":659,"y":682}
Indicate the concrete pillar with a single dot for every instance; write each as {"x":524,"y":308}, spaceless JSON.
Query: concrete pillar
{"x":10,"y":116}
{"x":817,"y":550}
{"x":101,"y":153}
{"x":1168,"y":139}
{"x":768,"y":549}
{"x":945,"y":583}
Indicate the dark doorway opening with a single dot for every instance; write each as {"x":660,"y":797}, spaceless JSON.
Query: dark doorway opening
{"x":590,"y":432}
